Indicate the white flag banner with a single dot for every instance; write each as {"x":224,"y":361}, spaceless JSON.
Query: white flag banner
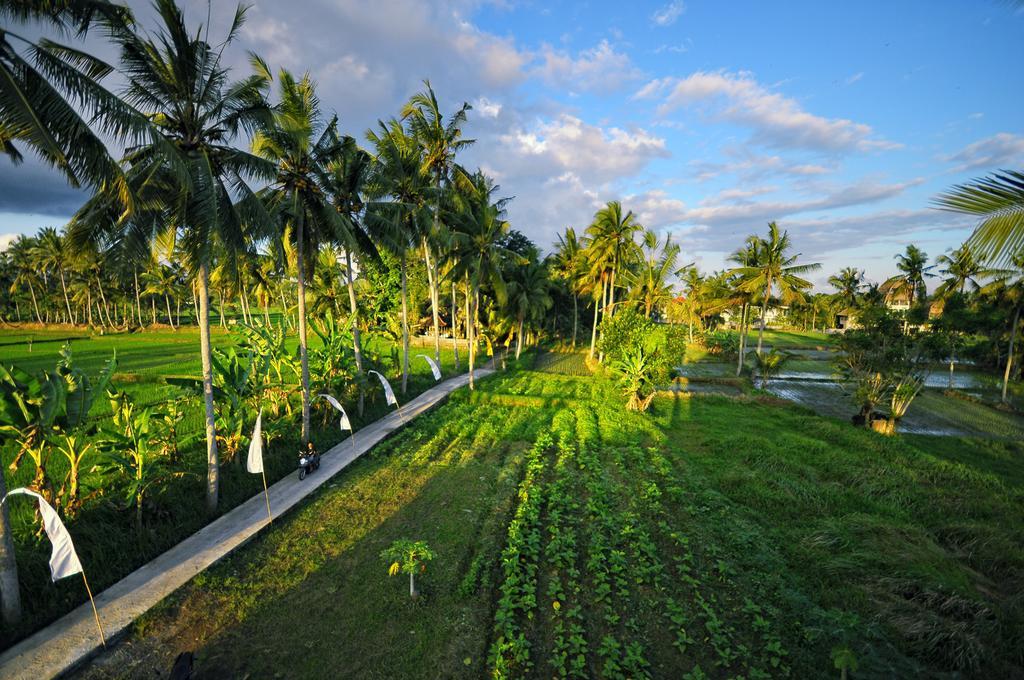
{"x":63,"y":560}
{"x":389,"y":394}
{"x":254,"y":463}
{"x":344,"y":424}
{"x":434,"y":368}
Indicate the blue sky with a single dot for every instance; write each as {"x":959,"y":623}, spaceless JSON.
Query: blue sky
{"x":839,"y":120}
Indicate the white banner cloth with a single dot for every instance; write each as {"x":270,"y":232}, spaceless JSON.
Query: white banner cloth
{"x":63,"y":560}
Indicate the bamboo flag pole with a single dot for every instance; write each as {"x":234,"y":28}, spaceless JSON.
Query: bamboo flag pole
{"x":64,"y":560}
{"x":266,"y":494}
{"x":254,"y":462}
{"x":95,"y":614}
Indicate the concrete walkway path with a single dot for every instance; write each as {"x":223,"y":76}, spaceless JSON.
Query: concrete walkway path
{"x":72,"y":639}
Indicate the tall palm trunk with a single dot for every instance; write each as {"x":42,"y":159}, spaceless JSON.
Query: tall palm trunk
{"x":10,"y":596}
{"x":71,"y":317}
{"x":519,"y":337}
{"x":357,"y":346}
{"x":764,"y":314}
{"x":434,"y":298}
{"x":405,"y":330}
{"x":471,"y":326}
{"x":35,"y":303}
{"x":138,"y":298}
{"x":212,"y":460}
{"x":610,"y":312}
{"x":575,"y":319}
{"x":743,"y":338}
{"x":1009,"y":355}
{"x":593,"y":331}
{"x":605,"y":310}
{"x":303,"y":348}
{"x":455,"y":326}
{"x":170,"y":319}
{"x":469,"y":335}
{"x":284,"y":308}
{"x":103,"y":299}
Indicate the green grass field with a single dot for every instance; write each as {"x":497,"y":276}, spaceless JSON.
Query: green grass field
{"x":104,"y":533}
{"x":713,"y":537}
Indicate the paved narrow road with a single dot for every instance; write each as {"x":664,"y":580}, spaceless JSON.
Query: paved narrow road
{"x":72,"y":639}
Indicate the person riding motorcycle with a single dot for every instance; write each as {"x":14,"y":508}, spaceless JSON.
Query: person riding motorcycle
{"x":312,"y":458}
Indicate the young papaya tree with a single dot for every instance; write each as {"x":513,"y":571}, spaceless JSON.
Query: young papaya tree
{"x":408,"y":557}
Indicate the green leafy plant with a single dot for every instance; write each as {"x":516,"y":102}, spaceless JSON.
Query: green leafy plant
{"x":769,"y":364}
{"x":36,"y":407}
{"x":638,"y":371}
{"x":408,"y":557}
{"x":844,"y":660}
{"x":133,"y":452}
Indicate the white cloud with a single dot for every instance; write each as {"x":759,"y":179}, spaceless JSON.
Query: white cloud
{"x":854,"y":78}
{"x":486,"y":108}
{"x":561,"y":168}
{"x":992,"y":153}
{"x":600,"y":68}
{"x":6,"y":240}
{"x":569,"y":144}
{"x":725,"y":211}
{"x":752,"y":166}
{"x":667,"y":15}
{"x":656,"y":209}
{"x":775,"y":119}
{"x":679,"y":48}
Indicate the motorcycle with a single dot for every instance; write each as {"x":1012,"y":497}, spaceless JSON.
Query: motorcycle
{"x":308,"y":462}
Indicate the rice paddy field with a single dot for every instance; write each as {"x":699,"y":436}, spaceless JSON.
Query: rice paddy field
{"x":714,"y":537}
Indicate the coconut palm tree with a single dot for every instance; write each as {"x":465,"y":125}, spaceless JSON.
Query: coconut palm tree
{"x":440,"y":141}
{"x":161,"y":282}
{"x":649,"y":286}
{"x":478,"y":228}
{"x":25,"y":273}
{"x":301,"y":144}
{"x":998,"y":202}
{"x":52,"y":254}
{"x":567,"y":264}
{"x":746,"y":257}
{"x":774,"y":269}
{"x":529,"y":296}
{"x":611,"y":234}
{"x":1011,"y":281}
{"x":348,"y":174}
{"x":848,"y":283}
{"x":398,"y":223}
{"x":52,"y":96}
{"x":914,"y":269}
{"x":186,"y":176}
{"x":961,"y":270}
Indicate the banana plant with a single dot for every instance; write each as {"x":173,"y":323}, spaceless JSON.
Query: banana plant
{"x":134,"y":451}
{"x":37,"y":407}
{"x":237,"y":388}
{"x":333,"y":364}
